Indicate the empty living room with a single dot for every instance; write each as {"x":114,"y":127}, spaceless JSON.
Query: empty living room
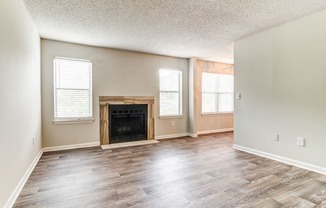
{"x":162,"y":103}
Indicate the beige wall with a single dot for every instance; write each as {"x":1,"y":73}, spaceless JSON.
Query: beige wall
{"x":212,"y":122}
{"x":281,"y":74}
{"x":20,"y":112}
{"x":115,"y":72}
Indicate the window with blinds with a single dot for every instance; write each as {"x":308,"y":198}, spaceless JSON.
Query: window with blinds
{"x":72,"y":89}
{"x":170,"y":92}
{"x":217,"y":93}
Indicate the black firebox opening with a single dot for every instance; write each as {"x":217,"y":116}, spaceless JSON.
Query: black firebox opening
{"x":127,"y":123}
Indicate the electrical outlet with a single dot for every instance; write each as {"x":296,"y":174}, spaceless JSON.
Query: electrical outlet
{"x":172,"y":123}
{"x":301,"y":141}
{"x":276,"y":137}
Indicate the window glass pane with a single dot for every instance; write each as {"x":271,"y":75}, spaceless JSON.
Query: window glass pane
{"x":208,"y":82}
{"x":73,"y":103}
{"x":169,"y":80}
{"x":170,"y":92}
{"x":224,"y":83}
{"x":169,"y":103}
{"x":225,"y":102}
{"x":209,"y":102}
{"x":217,"y":92}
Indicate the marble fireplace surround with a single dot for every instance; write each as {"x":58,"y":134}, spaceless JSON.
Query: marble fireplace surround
{"x":105,"y":101}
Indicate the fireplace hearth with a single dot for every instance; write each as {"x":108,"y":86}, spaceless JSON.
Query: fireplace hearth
{"x":127,"y":123}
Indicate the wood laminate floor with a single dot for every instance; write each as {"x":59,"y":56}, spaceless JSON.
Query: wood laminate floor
{"x":187,"y":172}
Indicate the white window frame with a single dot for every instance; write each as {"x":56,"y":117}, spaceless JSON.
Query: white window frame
{"x":72,"y":120}
{"x":216,"y":93}
{"x":179,"y":114}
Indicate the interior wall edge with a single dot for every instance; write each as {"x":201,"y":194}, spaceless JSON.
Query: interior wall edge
{"x":14,"y":195}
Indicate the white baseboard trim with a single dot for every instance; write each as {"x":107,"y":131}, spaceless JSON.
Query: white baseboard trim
{"x":286,"y":160}
{"x":214,"y":131}
{"x":192,"y":135}
{"x":170,"y":136}
{"x":72,"y":146}
{"x":14,"y":195}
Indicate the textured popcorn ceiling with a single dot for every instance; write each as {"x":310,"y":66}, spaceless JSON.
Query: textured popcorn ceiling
{"x":182,"y":28}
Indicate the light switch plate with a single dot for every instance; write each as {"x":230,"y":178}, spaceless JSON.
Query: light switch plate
{"x":301,"y":141}
{"x":238,"y":96}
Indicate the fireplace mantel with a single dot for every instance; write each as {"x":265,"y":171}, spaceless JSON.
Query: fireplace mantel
{"x":105,"y":101}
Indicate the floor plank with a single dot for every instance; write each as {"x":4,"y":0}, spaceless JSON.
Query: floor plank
{"x":183,"y":172}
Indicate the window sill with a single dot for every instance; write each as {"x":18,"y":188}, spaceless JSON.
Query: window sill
{"x":216,"y":114}
{"x":171,"y":116}
{"x":73,"y":121}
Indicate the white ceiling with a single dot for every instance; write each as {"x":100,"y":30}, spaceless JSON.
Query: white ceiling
{"x":183,"y":28}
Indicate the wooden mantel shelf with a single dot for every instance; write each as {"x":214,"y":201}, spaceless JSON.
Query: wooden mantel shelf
{"x":105,"y":101}
{"x":118,"y":100}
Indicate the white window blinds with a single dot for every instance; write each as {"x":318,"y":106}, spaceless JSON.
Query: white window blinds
{"x":170,"y":92}
{"x":72,"y":89}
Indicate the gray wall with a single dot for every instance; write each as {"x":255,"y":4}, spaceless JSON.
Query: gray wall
{"x":281,"y":74}
{"x":20,"y":111}
{"x":115,"y":73}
